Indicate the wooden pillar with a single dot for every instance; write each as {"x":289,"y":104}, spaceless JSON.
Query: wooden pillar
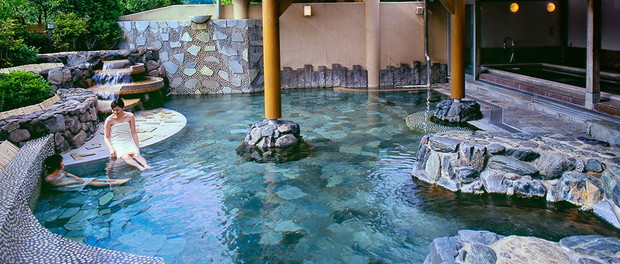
{"x":373,"y":41}
{"x":593,"y":60}
{"x":240,"y":9}
{"x":457,"y":39}
{"x":271,"y":58}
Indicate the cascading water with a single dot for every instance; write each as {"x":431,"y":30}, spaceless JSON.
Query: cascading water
{"x":111,"y":77}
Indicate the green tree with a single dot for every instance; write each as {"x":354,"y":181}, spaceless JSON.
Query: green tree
{"x":13,"y":51}
{"x":135,"y":6}
{"x":69,"y":28}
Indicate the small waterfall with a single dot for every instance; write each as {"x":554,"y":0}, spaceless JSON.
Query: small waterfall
{"x":111,"y":78}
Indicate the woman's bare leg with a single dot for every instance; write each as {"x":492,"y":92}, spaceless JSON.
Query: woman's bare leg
{"x":107,"y":182}
{"x":129,"y":160}
{"x":141,"y":160}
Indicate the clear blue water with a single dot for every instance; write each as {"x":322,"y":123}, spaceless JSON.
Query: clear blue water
{"x":351,"y":201}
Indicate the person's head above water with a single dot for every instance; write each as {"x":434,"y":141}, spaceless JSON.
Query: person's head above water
{"x":53,"y":162}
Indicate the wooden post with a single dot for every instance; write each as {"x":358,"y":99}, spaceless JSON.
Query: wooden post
{"x":240,"y":9}
{"x":373,"y":41}
{"x":457,"y":39}
{"x":271,"y":58}
{"x":593,"y":61}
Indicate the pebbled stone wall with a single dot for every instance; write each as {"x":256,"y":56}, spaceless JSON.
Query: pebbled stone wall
{"x":580,"y":171}
{"x":22,"y":238}
{"x":215,"y":57}
{"x":72,"y":120}
{"x":471,"y":246}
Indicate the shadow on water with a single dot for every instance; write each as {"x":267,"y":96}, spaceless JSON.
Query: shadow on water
{"x":506,"y":215}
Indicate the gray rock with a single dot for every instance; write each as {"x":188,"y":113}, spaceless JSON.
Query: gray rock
{"x":580,"y":189}
{"x":449,"y":184}
{"x":474,"y":187}
{"x":495,"y":149}
{"x":466,"y":174}
{"x":611,"y":184}
{"x":474,"y":155}
{"x":443,"y":249}
{"x":552,"y":166}
{"x":493,"y":181}
{"x":510,"y":164}
{"x":529,"y":188}
{"x":433,"y":167}
{"x":594,"y":165}
{"x":592,"y":245}
{"x":443,"y":144}
{"x":522,"y":154}
{"x":480,"y":254}
{"x":480,"y":237}
{"x":19,"y":135}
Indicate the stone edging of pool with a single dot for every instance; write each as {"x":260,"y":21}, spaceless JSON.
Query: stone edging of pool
{"x":580,"y":171}
{"x":22,"y":238}
{"x":471,"y":246}
{"x":153,"y":126}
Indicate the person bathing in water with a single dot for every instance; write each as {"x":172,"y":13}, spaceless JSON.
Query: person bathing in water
{"x":61,"y":180}
{"x":121,"y":137}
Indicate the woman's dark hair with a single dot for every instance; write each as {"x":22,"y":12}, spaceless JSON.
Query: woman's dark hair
{"x":118,"y":102}
{"x":52,"y":163}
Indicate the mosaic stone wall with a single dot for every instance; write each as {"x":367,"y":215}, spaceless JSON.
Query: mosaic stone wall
{"x":218,"y":56}
{"x":22,"y":238}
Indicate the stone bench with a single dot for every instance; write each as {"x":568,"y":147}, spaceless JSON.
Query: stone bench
{"x":22,"y":238}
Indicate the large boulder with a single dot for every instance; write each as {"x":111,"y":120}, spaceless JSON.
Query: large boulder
{"x":581,"y":189}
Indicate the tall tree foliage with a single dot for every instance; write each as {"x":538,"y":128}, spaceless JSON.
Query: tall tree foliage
{"x":135,"y":6}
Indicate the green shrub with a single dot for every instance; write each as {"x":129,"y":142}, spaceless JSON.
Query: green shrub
{"x":19,"y":89}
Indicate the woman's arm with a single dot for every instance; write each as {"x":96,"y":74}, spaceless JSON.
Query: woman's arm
{"x":134,"y":134}
{"x":106,"y":138}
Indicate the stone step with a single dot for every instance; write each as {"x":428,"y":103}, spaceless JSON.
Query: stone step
{"x":103,"y":106}
{"x":149,"y":84}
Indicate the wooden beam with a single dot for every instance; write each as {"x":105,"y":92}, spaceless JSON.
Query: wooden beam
{"x":449,"y":5}
{"x":284,"y":4}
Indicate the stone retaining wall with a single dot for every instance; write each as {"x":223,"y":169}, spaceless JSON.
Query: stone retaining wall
{"x":22,"y":238}
{"x":581,"y":171}
{"x":406,"y":75}
{"x":218,"y":56}
{"x":486,"y":247}
{"x":80,"y":66}
{"x":306,"y":77}
{"x":73,"y":120}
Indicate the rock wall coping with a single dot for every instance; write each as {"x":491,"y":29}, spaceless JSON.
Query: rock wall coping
{"x":72,"y":120}
{"x":79,"y":67}
{"x":471,"y":246}
{"x":22,"y":238}
{"x":580,"y":171}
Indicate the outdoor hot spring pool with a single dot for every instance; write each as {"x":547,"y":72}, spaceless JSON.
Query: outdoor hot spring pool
{"x":351,"y":201}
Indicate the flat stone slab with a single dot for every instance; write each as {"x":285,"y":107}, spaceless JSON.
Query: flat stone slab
{"x":152,"y":126}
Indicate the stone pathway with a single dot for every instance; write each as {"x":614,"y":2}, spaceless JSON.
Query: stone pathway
{"x":32,"y":67}
{"x":152,"y":126}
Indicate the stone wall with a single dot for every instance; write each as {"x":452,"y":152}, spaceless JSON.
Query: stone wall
{"x":73,"y":120}
{"x":406,"y":75}
{"x":487,"y":247}
{"x":218,"y":56}
{"x":306,"y":77}
{"x":581,"y":171}
{"x":22,"y":238}
{"x":80,"y":66}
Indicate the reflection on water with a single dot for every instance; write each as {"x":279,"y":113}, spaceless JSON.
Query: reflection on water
{"x":351,"y":201}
